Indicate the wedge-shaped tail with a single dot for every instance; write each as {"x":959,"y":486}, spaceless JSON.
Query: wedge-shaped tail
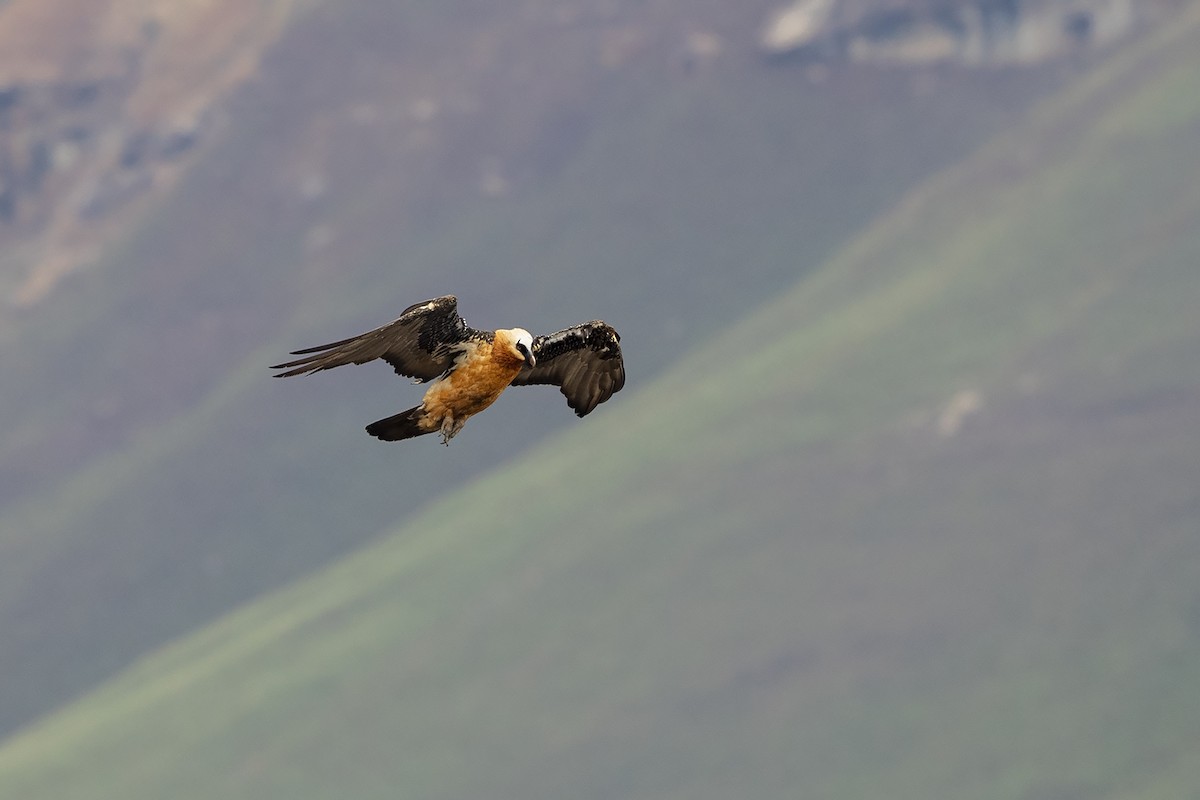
{"x":404,"y":425}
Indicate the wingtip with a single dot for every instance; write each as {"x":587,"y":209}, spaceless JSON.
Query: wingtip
{"x":290,"y":369}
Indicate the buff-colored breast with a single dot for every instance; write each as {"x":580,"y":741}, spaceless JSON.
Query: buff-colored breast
{"x":482,"y":376}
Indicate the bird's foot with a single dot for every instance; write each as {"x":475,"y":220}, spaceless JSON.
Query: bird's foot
{"x":450,"y":427}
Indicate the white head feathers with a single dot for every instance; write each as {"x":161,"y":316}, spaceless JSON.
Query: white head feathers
{"x":522,"y":336}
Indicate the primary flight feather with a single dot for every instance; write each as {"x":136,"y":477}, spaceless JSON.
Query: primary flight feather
{"x":468,"y":369}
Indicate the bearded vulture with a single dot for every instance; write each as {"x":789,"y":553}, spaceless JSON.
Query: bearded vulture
{"x":469,"y":369}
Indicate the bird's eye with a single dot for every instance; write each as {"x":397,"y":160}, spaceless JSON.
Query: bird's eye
{"x":521,"y":346}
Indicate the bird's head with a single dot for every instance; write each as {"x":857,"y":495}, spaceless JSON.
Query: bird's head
{"x":519,"y":343}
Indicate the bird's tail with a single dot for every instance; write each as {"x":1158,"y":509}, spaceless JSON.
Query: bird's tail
{"x":404,"y":425}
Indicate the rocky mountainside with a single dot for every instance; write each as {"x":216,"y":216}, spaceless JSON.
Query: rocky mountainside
{"x":102,"y":105}
{"x":201,"y":187}
{"x":976,"y":33}
{"x":923,"y":525}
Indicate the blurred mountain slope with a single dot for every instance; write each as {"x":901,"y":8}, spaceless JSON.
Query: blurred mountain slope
{"x":549,"y":164}
{"x":102,"y":108}
{"x":923,"y":526}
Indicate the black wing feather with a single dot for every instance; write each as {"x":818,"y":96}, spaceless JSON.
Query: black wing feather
{"x":584,"y":361}
{"x":421,"y":343}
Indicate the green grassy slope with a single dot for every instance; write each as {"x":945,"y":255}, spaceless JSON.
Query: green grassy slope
{"x":924,"y":526}
{"x":153,"y":477}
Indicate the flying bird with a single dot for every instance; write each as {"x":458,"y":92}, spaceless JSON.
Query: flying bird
{"x":467,"y":369}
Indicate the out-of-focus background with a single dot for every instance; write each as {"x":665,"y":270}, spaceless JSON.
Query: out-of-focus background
{"x":901,"y":500}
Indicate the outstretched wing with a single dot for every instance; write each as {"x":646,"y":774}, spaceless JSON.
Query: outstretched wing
{"x":422,"y":343}
{"x":583,"y":361}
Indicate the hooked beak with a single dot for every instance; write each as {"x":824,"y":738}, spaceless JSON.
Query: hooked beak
{"x":527,"y":354}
